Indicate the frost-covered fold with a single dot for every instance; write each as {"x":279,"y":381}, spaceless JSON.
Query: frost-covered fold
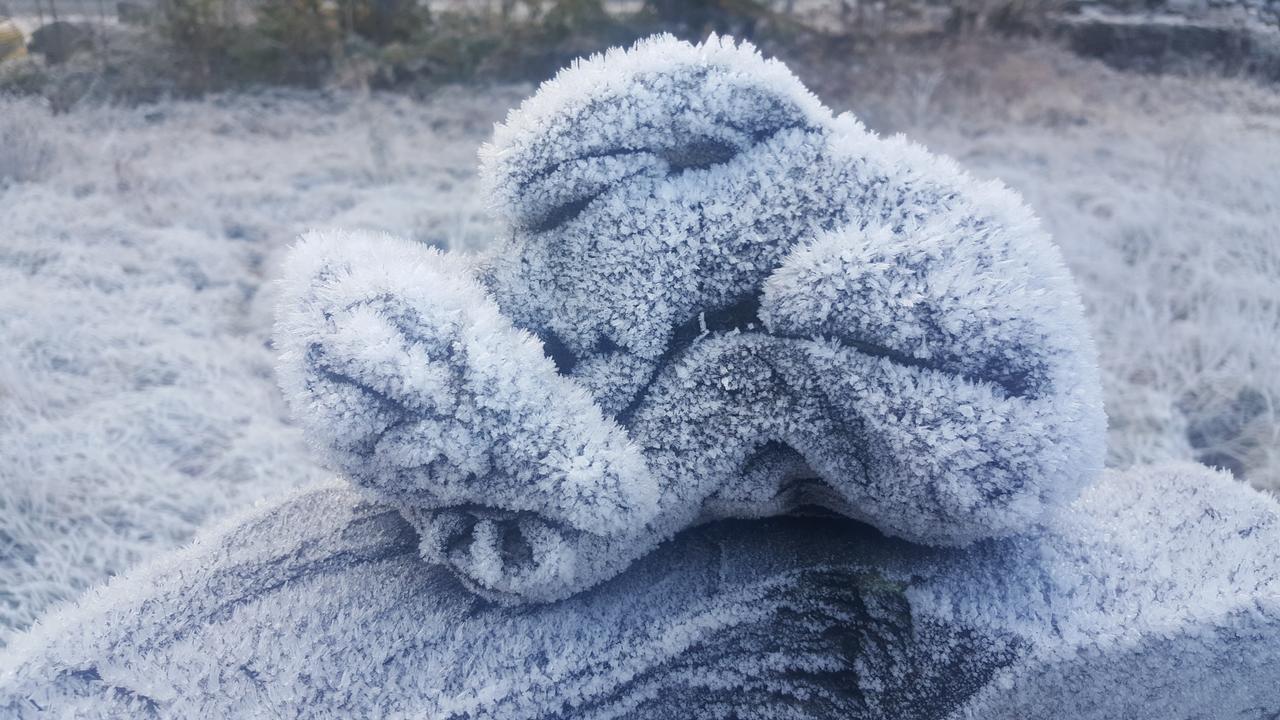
{"x":405,"y":375}
{"x":753,"y":305}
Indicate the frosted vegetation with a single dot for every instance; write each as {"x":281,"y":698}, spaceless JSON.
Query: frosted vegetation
{"x":137,"y":393}
{"x":1159,"y":192}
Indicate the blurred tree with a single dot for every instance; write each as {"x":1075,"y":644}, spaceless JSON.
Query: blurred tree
{"x":694,"y":19}
{"x":197,"y":33}
{"x":304,"y":34}
{"x":383,"y":21}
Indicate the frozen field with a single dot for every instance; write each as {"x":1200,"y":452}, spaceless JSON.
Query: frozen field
{"x":137,"y":249}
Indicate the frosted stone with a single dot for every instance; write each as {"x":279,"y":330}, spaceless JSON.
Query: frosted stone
{"x":1154,"y":595}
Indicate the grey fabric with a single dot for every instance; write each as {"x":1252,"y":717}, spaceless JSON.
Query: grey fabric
{"x":741,"y":302}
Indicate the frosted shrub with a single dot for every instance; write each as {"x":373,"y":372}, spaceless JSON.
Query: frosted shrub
{"x":26,"y":154}
{"x":716,"y":299}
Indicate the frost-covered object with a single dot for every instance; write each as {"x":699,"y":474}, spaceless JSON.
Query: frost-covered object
{"x":1155,"y":595}
{"x":745,"y":303}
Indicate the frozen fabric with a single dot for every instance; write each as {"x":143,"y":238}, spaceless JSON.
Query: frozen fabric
{"x":715,"y":299}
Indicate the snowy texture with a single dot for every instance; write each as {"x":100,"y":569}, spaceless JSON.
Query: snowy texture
{"x":405,"y":372}
{"x":1160,"y":192}
{"x":772,"y":307}
{"x":137,"y":398}
{"x":1155,"y":595}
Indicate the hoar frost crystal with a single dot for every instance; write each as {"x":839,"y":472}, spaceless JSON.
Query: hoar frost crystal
{"x":716,"y":299}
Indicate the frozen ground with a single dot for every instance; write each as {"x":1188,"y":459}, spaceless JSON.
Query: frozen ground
{"x":137,"y":397}
{"x":137,"y":245}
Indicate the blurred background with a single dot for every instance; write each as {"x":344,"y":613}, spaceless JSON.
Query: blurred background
{"x":158,"y":156}
{"x":145,"y":49}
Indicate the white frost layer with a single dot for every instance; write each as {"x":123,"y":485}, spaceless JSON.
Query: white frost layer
{"x":1155,"y":595}
{"x":756,"y":292}
{"x":137,"y":250}
{"x":1160,"y":194}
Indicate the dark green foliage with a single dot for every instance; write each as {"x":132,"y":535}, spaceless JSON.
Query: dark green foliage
{"x":296,"y":42}
{"x":188,"y":47}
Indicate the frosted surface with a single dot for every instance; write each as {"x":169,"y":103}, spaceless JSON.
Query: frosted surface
{"x":743,"y":304}
{"x":1154,"y":595}
{"x":139,"y":250}
{"x":1160,"y":195}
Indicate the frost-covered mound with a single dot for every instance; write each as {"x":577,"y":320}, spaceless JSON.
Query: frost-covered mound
{"x":321,"y":606}
{"x":137,"y":398}
{"x":1160,"y":192}
{"x":746,"y":305}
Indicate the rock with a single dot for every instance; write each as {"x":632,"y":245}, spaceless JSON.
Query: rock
{"x":1153,"y":42}
{"x":1155,"y":595}
{"x":12,"y":44}
{"x":58,"y":41}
